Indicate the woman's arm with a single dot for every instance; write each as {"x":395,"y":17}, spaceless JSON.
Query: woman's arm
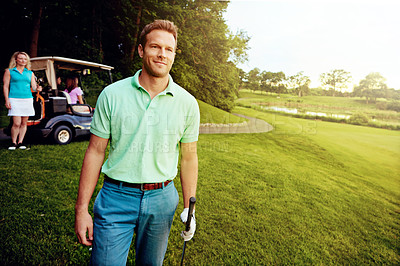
{"x":80,"y":99}
{"x":34,"y":85}
{"x":6,"y":88}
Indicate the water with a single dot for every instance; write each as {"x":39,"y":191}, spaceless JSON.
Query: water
{"x":296,"y":111}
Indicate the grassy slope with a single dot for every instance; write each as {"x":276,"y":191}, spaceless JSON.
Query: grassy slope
{"x":211,"y":114}
{"x":309,"y":193}
{"x":295,"y":196}
{"x":302,"y":194}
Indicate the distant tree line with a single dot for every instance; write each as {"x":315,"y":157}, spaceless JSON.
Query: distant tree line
{"x":107,"y":32}
{"x":373,"y":86}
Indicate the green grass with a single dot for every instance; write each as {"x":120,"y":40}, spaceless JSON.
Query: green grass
{"x":4,"y":118}
{"x":211,"y":114}
{"x":335,"y":102}
{"x":324,"y":104}
{"x":309,"y":192}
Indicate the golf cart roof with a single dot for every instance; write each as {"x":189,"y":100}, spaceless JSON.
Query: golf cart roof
{"x":41,"y":63}
{"x":50,"y":64}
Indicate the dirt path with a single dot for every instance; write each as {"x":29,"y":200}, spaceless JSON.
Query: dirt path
{"x":254,"y":125}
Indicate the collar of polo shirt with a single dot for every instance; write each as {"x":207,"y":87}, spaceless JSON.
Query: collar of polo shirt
{"x":169,"y":90}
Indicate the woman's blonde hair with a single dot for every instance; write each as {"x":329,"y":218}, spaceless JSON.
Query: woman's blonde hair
{"x":13,"y":61}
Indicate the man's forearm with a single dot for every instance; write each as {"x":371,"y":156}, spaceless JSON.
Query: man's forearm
{"x":189,"y":173}
{"x":90,"y":172}
{"x":88,"y":180}
{"x":89,"y":175}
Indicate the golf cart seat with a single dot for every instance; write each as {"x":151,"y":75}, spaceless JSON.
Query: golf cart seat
{"x":77,"y":109}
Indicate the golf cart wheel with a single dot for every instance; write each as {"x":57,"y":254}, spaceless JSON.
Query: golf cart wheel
{"x":62,"y":135}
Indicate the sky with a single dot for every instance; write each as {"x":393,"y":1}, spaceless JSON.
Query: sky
{"x":317,"y":36}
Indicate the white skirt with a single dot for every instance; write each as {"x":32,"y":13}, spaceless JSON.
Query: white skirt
{"x":21,"y":107}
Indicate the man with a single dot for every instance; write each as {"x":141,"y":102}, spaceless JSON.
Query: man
{"x":147,"y":119}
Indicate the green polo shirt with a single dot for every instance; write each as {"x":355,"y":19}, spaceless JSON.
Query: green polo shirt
{"x":144,"y":133}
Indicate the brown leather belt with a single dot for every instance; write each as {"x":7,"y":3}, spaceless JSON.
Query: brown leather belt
{"x":143,"y":187}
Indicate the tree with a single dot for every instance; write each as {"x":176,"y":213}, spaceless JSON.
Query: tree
{"x":372,"y":87}
{"x":108,"y":31}
{"x":37,"y":15}
{"x":265,"y":80}
{"x":243,"y":76}
{"x":239,"y":46}
{"x":254,"y":80}
{"x":300,"y":83}
{"x":272,"y":81}
{"x":278,"y":82}
{"x":15,"y":27}
{"x":336,"y":79}
{"x":205,"y":66}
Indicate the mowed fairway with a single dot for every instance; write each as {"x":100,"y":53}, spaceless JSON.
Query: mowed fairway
{"x":309,"y":192}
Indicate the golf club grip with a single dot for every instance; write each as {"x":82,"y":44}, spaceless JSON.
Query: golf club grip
{"x":192,"y":201}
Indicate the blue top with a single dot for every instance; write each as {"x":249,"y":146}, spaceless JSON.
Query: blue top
{"x":20,"y":84}
{"x":144,"y":133}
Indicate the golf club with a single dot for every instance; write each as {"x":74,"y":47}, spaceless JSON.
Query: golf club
{"x":192,"y":201}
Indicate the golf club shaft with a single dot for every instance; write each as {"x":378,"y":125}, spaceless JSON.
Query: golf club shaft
{"x":192,"y":201}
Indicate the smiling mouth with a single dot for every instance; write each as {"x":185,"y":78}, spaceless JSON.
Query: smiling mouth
{"x":161,"y":63}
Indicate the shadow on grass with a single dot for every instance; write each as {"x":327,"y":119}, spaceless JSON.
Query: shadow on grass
{"x":5,"y":142}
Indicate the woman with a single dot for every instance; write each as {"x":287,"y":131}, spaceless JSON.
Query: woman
{"x":18,"y":80}
{"x":73,"y":90}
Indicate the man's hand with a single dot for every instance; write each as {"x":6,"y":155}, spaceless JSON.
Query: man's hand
{"x":83,"y":224}
{"x":187,"y":235}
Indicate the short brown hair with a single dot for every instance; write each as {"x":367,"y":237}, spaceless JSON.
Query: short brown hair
{"x":159,"y":24}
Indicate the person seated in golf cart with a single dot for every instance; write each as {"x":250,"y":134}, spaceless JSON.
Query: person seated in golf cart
{"x":73,"y":90}
{"x":59,"y":83}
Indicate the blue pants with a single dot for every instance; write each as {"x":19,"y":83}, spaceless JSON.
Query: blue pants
{"x":120,"y":211}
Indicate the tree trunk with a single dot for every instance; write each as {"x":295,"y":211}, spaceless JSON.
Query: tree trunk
{"x":35,"y":29}
{"x":139,"y":15}
{"x":97,"y":29}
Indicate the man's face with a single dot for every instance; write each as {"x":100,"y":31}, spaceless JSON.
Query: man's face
{"x":159,"y":53}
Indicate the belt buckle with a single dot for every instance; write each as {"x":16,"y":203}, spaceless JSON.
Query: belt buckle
{"x":142,"y":187}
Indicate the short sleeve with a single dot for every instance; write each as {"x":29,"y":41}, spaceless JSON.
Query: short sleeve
{"x":79,"y":91}
{"x":192,"y":119}
{"x":101,"y":122}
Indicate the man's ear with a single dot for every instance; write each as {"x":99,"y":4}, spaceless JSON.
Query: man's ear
{"x":140,"y":50}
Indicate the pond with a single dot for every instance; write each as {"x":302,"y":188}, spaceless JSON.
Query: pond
{"x":296,"y":111}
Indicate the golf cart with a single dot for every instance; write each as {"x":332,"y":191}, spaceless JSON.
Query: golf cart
{"x":55,"y":117}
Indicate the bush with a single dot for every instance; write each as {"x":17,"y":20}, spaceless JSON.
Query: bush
{"x":359,"y":119}
{"x":381,"y":105}
{"x":394,"y":106}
